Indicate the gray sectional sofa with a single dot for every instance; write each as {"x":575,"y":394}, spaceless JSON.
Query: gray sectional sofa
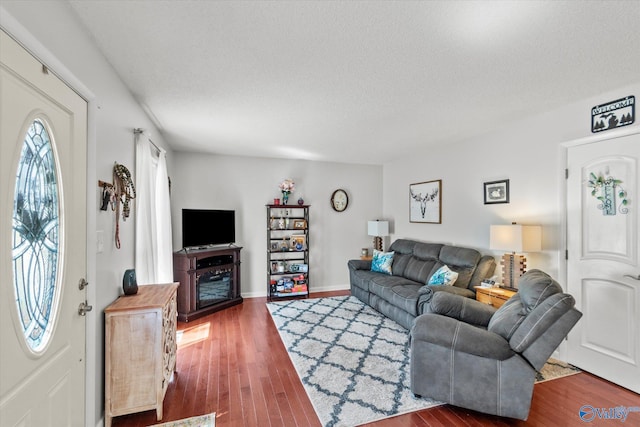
{"x":404,"y":295}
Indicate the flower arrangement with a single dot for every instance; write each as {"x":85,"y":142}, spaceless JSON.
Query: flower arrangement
{"x":286,"y":186}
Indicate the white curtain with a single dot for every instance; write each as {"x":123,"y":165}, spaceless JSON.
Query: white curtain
{"x":154,"y":248}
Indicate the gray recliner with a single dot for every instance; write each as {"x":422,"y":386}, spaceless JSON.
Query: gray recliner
{"x":471,"y":355}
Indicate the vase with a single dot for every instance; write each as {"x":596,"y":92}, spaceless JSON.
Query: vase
{"x":129,"y":283}
{"x":285,"y":197}
{"x":301,"y":201}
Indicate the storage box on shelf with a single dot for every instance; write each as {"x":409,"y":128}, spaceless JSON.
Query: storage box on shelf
{"x":287,"y":251}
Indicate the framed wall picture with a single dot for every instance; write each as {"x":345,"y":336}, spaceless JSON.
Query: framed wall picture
{"x":425,"y":202}
{"x":496,"y":192}
{"x":298,"y":242}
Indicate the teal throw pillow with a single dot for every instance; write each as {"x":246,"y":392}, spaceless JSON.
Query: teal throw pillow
{"x":444,"y":276}
{"x":382,"y":261}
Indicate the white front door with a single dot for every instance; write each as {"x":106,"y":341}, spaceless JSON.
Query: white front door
{"x":43,"y":140}
{"x":603,"y":269}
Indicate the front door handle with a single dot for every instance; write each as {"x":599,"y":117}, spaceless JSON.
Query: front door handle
{"x":632,"y":277}
{"x":84,"y":308}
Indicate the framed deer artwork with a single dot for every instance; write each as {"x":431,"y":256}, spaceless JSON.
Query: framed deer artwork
{"x":425,"y":202}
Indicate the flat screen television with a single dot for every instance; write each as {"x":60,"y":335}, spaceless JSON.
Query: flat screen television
{"x":204,"y":227}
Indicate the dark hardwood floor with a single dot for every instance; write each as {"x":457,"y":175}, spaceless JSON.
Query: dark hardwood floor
{"x":234,"y":363}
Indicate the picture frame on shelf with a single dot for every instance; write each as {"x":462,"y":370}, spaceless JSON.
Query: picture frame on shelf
{"x":298,"y":242}
{"x":425,"y":202}
{"x":274,"y":267}
{"x":274,"y":246}
{"x":299,"y":224}
{"x":299,"y":268}
{"x":496,"y":192}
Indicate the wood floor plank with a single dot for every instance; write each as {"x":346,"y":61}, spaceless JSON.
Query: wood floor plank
{"x":233,"y":363}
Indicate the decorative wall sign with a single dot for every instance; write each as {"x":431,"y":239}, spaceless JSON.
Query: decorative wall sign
{"x":425,"y":202}
{"x":606,"y":189}
{"x":496,"y":192}
{"x":614,"y":114}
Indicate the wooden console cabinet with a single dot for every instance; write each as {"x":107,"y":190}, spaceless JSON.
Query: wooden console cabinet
{"x":209,"y":280}
{"x":140,"y":350}
{"x":493,"y":296}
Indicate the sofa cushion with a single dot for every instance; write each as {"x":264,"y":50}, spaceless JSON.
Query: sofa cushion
{"x":461,"y":260}
{"x":381,"y":261}
{"x":398,"y":291}
{"x":443,"y":276}
{"x":534,"y":287}
{"x":415,"y":260}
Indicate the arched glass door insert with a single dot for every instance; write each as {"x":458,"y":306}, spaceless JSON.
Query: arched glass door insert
{"x":36,"y":236}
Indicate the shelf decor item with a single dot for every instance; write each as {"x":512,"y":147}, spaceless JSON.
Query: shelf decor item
{"x":129,"y":282}
{"x":286,"y":186}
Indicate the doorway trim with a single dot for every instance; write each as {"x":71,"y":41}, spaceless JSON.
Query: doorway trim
{"x":31,"y":44}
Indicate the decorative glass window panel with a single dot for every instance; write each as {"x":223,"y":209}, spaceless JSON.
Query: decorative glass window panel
{"x":36,"y":236}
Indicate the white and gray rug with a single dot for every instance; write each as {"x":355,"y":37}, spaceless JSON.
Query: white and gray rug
{"x":353,"y":361}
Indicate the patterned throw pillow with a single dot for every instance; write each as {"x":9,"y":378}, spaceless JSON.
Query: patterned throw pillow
{"x":382,"y":261}
{"x":444,"y":276}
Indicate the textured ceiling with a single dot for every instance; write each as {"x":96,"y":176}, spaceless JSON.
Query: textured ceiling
{"x":357,"y":81}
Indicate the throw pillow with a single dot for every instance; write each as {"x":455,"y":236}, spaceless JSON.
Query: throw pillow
{"x":382,"y":261}
{"x":444,"y":276}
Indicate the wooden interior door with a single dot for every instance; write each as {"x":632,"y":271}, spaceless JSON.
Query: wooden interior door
{"x":43,"y":140}
{"x":603,"y":269}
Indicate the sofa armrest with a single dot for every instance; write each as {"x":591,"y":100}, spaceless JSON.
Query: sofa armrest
{"x":459,"y":336}
{"x":427,"y":292}
{"x":460,"y":308}
{"x":359,"y":264}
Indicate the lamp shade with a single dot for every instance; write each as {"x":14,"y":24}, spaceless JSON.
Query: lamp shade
{"x":516,"y":238}
{"x":378,"y":228}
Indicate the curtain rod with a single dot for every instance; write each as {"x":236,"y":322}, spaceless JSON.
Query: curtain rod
{"x":137,"y":131}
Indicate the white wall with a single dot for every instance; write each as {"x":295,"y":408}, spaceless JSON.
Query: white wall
{"x":49,"y":29}
{"x":247,"y":184}
{"x":527,"y":152}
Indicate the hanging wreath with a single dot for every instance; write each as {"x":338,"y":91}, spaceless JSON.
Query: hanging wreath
{"x":124,"y":191}
{"x":605,"y":189}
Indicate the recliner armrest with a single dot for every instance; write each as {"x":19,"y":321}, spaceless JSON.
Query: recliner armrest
{"x":359,"y":264}
{"x":460,"y":337}
{"x":461,"y":308}
{"x":427,"y":292}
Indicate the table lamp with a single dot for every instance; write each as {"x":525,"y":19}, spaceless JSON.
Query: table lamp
{"x":378,"y":229}
{"x":515,"y":239}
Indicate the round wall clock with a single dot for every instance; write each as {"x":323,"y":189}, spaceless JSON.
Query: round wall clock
{"x":339,"y":200}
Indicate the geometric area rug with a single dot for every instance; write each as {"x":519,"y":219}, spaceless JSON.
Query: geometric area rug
{"x":353,"y":361}
{"x":208,"y":420}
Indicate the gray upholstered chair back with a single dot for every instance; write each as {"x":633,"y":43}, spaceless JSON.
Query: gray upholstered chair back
{"x":537,"y":318}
